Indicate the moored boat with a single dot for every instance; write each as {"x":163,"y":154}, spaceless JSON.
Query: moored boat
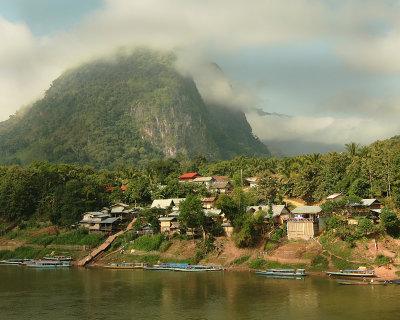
{"x":352,"y":273}
{"x":126,"y":265}
{"x":283,"y":273}
{"x":48,"y":264}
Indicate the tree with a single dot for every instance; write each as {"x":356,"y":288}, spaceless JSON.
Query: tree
{"x":191,"y":214}
{"x":390,"y":222}
{"x":365,"y":226}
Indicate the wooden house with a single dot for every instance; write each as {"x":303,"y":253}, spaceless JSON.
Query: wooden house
{"x":280,"y":213}
{"x":99,"y":221}
{"x":222,"y":187}
{"x":120,"y":210}
{"x":335,"y":197}
{"x":189,"y":177}
{"x":207,"y":181}
{"x":208,"y":203}
{"x":169,"y":225}
{"x":303,"y":222}
{"x":163,"y":204}
{"x":251,"y":182}
{"x":228,"y":228}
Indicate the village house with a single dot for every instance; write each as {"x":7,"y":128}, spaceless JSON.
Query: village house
{"x":99,"y":221}
{"x":251,"y":182}
{"x":208,"y":203}
{"x":162,"y":204}
{"x":368,"y":208}
{"x":280,"y":213}
{"x":228,"y":228}
{"x":121,"y":211}
{"x":169,"y":225}
{"x":303,"y":222}
{"x":207,"y":181}
{"x":189,"y":177}
{"x":222,"y":187}
{"x":335,"y":197}
{"x":221,"y":178}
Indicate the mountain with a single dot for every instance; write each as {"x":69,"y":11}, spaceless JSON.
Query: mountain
{"x":129,"y":109}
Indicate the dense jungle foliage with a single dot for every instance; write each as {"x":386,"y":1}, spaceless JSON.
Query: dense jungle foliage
{"x":62,"y":192}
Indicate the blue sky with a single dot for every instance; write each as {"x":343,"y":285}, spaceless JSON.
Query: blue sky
{"x":331,"y":66}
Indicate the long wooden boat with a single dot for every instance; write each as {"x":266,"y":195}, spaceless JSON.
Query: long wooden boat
{"x":199,"y":268}
{"x":168,"y":266}
{"x":283,"y":273}
{"x":48,"y":264}
{"x":58,"y":258}
{"x":352,"y":273}
{"x":126,"y":265}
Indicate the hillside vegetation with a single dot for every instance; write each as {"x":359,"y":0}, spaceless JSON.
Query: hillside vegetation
{"x":130,"y":110}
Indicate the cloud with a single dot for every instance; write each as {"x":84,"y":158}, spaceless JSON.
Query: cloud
{"x":328,"y":130}
{"x":199,"y":30}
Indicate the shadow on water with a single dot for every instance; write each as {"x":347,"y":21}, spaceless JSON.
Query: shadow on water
{"x":137,"y":294}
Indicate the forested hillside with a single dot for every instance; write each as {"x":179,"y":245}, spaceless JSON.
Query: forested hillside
{"x":129,"y":110}
{"x":61,"y":192}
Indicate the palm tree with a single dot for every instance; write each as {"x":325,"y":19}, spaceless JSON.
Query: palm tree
{"x":352,"y":148}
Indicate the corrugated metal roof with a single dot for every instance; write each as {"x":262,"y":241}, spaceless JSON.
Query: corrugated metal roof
{"x":220,"y":184}
{"x":307,"y":209}
{"x":203,"y":179}
{"x":367,"y":202}
{"x":166,"y":218}
{"x":108,"y":221}
{"x":162,"y":203}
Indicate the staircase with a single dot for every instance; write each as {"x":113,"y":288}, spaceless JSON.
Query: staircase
{"x":84,"y":261}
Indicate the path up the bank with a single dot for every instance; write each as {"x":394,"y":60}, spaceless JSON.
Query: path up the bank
{"x":84,"y":261}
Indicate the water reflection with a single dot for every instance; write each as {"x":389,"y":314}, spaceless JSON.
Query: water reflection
{"x":127,"y":294}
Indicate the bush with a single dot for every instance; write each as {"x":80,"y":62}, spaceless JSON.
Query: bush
{"x":319,"y":263}
{"x":257,"y":263}
{"x":381,"y":260}
{"x":390,"y":222}
{"x":241,"y":260}
{"x":277,"y":234}
{"x":334,"y":223}
{"x":365,"y":226}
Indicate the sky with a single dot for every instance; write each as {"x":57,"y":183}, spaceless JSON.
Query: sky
{"x":310,"y":75}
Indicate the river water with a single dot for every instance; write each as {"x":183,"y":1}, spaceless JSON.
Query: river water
{"x":79,"y":293}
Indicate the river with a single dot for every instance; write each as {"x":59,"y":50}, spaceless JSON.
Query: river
{"x":79,"y":293}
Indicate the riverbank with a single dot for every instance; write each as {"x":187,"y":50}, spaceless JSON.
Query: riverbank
{"x":315,"y":256}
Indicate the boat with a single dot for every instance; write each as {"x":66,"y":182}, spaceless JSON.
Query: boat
{"x":15,"y":261}
{"x":48,"y":264}
{"x":198,"y":268}
{"x":352,"y":273}
{"x":167,"y":266}
{"x":283,"y":273}
{"x":58,"y":258}
{"x":126,"y":265}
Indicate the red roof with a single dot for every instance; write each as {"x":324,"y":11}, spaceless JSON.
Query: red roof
{"x":190,"y":175}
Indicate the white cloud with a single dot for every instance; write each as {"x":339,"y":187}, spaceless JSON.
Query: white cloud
{"x":28,"y":65}
{"x":326,"y":130}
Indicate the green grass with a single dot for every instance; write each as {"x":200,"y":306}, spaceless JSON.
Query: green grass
{"x":319,"y":263}
{"x":148,"y":243}
{"x":75,"y":237}
{"x":241,"y":260}
{"x":151,"y":259}
{"x":308,"y":255}
{"x":24,"y":253}
{"x":326,"y":254}
{"x":337,"y":247}
{"x":397,"y":273}
{"x":342,"y":264}
{"x":257,"y":263}
{"x":270,"y":246}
